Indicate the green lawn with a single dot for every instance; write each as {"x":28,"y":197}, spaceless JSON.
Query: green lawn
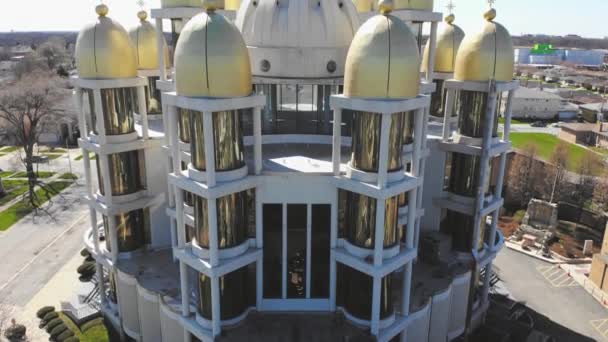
{"x":546,"y":144}
{"x":41,"y":174}
{"x":19,"y":210}
{"x":501,"y":120}
{"x":92,"y":156}
{"x":92,"y":331}
{"x":9,"y":149}
{"x":68,"y":176}
{"x":6,"y":174}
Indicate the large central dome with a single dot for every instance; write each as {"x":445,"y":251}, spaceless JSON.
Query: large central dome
{"x":298,"y":38}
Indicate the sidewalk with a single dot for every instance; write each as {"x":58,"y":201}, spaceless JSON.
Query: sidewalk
{"x":579,"y":274}
{"x":63,"y":287}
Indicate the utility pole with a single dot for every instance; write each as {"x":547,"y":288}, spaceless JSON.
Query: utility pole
{"x":554,"y":183}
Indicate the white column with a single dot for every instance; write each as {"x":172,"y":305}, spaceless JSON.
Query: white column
{"x":209,"y":148}
{"x":308,"y":246}
{"x":337,"y":141}
{"x":101,"y":284}
{"x":113,"y":238}
{"x":433,"y":43}
{"x":405,"y":299}
{"x":175,"y":150}
{"x":333,"y":241}
{"x":450,"y":101}
{"x":161,"y":51}
{"x":214,"y":254}
{"x":383,"y":155}
{"x":376,"y":293}
{"x":179,"y":217}
{"x":104,"y":161}
{"x":94,"y":229}
{"x":185,"y":288}
{"x":411,"y":219}
{"x":379,"y":233}
{"x":260,"y":283}
{"x":87,"y":172}
{"x":143,"y":111}
{"x":215,"y":306}
{"x":257,"y":135}
{"x":284,"y":254}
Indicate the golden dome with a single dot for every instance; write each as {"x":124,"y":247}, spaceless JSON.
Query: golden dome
{"x":486,"y":55}
{"x":423,"y":5}
{"x":232,"y":5}
{"x":383,"y":59}
{"x":449,"y":38}
{"x":145,"y":40}
{"x":104,"y":50}
{"x":211,"y":58}
{"x":180,"y":3}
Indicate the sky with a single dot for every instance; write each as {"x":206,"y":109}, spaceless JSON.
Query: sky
{"x":553,"y":17}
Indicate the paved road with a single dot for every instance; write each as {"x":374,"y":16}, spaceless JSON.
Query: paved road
{"x":35,"y":248}
{"x":552,"y":294}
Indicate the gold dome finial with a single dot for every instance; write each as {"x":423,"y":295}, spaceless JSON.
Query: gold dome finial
{"x":142,"y":15}
{"x":212,"y":5}
{"x":386,"y":6}
{"x":490,"y":14}
{"x":450,"y":19}
{"x":102,"y":10}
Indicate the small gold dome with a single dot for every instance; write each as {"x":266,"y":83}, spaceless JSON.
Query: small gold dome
{"x":104,"y":50}
{"x":145,"y":40}
{"x":423,"y":5}
{"x":211,"y":59}
{"x":449,"y":38}
{"x":180,"y":3}
{"x":487,"y":54}
{"x":364,"y":5}
{"x":383,"y":60}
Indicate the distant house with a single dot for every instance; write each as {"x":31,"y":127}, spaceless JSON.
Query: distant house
{"x":590,"y":134}
{"x":535,"y":104}
{"x":591,"y":112}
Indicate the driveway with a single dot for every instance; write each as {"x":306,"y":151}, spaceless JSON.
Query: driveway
{"x":551,"y":293}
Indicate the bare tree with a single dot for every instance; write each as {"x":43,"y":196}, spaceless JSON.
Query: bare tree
{"x":522,"y":175}
{"x":559,"y":160}
{"x":53,"y":52}
{"x":26,"y":106}
{"x":588,"y":167}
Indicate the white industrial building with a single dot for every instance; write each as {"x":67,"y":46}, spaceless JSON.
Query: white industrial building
{"x":579,"y":57}
{"x":284,"y":164}
{"x":537,"y":104}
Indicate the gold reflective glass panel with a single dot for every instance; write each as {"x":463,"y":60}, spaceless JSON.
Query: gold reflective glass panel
{"x":154,"y":103}
{"x":438,"y":99}
{"x":357,"y":291}
{"x":132,"y":230}
{"x":183,"y":125}
{"x":462,"y":227}
{"x":462,"y":174}
{"x":118,"y":106}
{"x":234,"y":294}
{"x":361,"y":220}
{"x":366,"y":131}
{"x":471,"y":107}
{"x":127,"y":174}
{"x":232,"y":220}
{"x":228,"y":141}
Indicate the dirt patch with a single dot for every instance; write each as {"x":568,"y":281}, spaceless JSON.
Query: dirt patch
{"x":571,"y":239}
{"x":508,"y":225}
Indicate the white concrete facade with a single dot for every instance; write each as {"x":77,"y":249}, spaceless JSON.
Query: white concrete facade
{"x":146,"y":314}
